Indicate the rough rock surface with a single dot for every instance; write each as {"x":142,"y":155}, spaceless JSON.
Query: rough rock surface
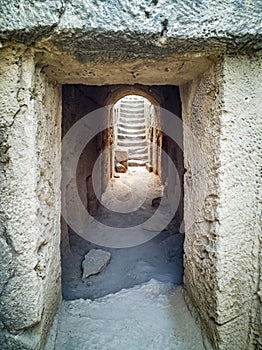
{"x":141,"y":23}
{"x":95,"y":261}
{"x":29,"y":201}
{"x":222,"y":242}
{"x":210,"y":49}
{"x":121,"y":155}
{"x":183,"y":37}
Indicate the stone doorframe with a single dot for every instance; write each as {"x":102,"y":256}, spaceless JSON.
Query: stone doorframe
{"x":220,"y":107}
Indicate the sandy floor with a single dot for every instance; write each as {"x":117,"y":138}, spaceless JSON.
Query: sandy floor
{"x":136,"y":303}
{"x":160,"y":258}
{"x":152,"y":316}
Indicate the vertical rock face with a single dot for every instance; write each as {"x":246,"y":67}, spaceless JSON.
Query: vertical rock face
{"x":239,"y":207}
{"x":200,"y":105}
{"x":30,"y":199}
{"x":222,"y":241}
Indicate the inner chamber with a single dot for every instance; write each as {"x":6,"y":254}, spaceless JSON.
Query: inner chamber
{"x":132,"y":153}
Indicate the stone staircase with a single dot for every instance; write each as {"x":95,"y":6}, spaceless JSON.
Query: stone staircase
{"x":132,"y":130}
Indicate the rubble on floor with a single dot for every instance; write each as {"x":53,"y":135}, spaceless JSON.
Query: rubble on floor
{"x":95,"y":261}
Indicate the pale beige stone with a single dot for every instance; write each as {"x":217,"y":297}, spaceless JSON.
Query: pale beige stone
{"x":212,"y":53}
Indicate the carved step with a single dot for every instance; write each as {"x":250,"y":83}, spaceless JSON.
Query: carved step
{"x":129,"y":136}
{"x":131,"y":107}
{"x":135,"y":162}
{"x":129,"y":131}
{"x":129,"y":113}
{"x":131,"y":121}
{"x":142,"y":150}
{"x":132,"y":130}
{"x":132,"y":143}
{"x":135,"y":150}
{"x":133,"y":126}
{"x":139,"y":156}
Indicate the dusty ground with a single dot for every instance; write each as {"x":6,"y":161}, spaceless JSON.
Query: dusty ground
{"x":151,"y":316}
{"x":160,"y":258}
{"x":136,"y":303}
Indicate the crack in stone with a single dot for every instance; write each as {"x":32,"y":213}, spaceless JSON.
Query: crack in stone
{"x":228,"y":321}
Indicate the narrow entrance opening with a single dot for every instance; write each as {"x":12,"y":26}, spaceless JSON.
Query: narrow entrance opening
{"x":131,"y":117}
{"x":133,"y":178}
{"x":122,"y":266}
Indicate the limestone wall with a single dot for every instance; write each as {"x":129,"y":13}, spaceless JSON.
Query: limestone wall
{"x":239,"y":239}
{"x":30,"y":200}
{"x":200,"y":108}
{"x":221,"y":114}
{"x":79,"y":101}
{"x":221,"y":110}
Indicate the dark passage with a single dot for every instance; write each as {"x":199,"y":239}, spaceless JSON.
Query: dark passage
{"x":160,"y":258}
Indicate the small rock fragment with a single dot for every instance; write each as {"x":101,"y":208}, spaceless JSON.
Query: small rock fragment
{"x":124,"y":162}
{"x":149,"y":167}
{"x":121,"y":156}
{"x":95,"y":261}
{"x":120,"y":168}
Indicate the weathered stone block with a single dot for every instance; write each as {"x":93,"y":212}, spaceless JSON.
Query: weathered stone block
{"x":121,"y":156}
{"x":30,"y":199}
